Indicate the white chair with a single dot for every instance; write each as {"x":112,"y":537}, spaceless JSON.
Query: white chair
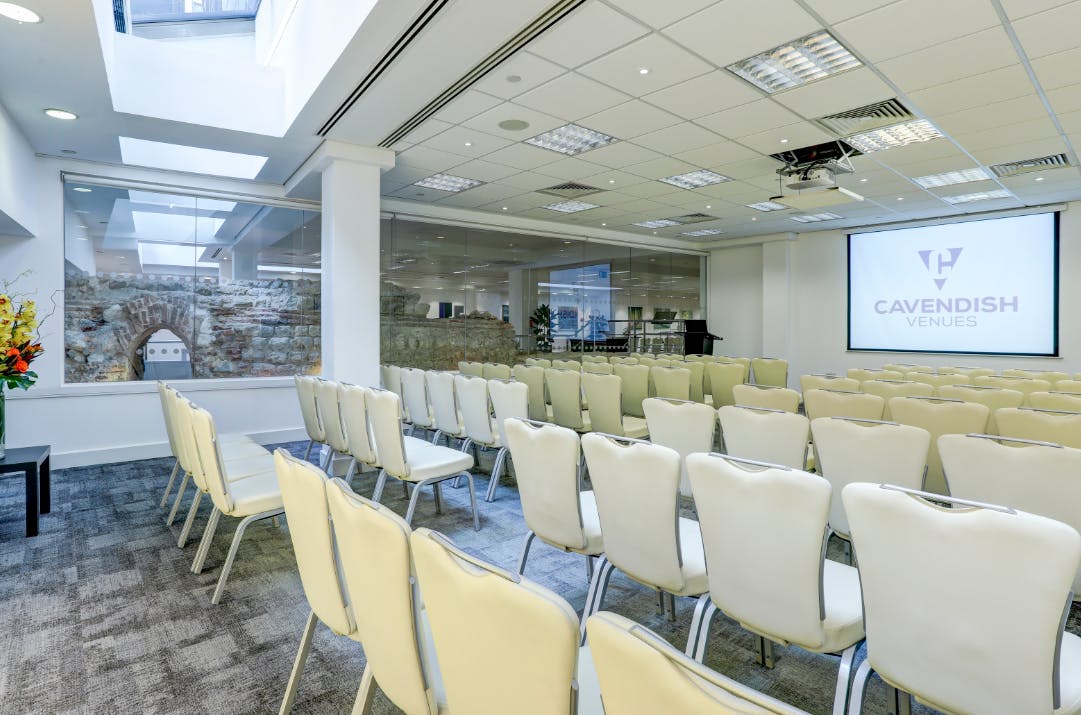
{"x":1042,"y":425}
{"x":446,"y":414}
{"x":327,"y":396}
{"x":636,"y":485}
{"x":565,"y":389}
{"x":614,"y":360}
{"x":698,"y":379}
{"x":743,"y":362}
{"x":415,"y":399}
{"x":995,"y":398}
{"x":635,"y":382}
{"x":532,"y":376}
{"x":818,"y":402}
{"x":597,"y":368}
{"x":933,"y":578}
{"x":770,"y":371}
{"x":538,"y":362}
{"x":1051,"y":376}
{"x":354,"y":417}
{"x":495,"y":371}
{"x":481,"y":429}
{"x":505,"y":644}
{"x":686,"y":427}
{"x":390,"y":377}
{"x":673,"y":383}
{"x":935,"y":380}
{"x":772,"y":398}
{"x":863,"y":375}
{"x":888,"y":389}
{"x":309,"y":412}
{"x":510,"y":400}
{"x":722,"y":377}
{"x":775,"y":582}
{"x":1024,"y":385}
{"x":413,"y":460}
{"x":554,"y":507}
{"x":467,"y":367}
{"x":594,"y":359}
{"x":939,"y":416}
{"x":641,"y":674}
{"x":827,"y":382}
{"x":566,"y":365}
{"x":604,"y":393}
{"x":1061,"y":401}
{"x":1070,"y":386}
{"x":970,"y":372}
{"x":765,"y":435}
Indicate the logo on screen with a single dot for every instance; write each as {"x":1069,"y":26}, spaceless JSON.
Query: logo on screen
{"x":940,"y":263}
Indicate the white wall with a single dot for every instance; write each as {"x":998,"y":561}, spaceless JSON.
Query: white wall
{"x":735,"y":300}
{"x":16,"y":192}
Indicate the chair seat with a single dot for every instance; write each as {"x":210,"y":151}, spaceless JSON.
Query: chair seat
{"x":245,"y":467}
{"x":231,"y":451}
{"x":635,"y":427}
{"x":844,"y":607}
{"x":1069,"y":682}
{"x":224,"y":439}
{"x":255,"y":494}
{"x":695,"y":582}
{"x":428,"y":460}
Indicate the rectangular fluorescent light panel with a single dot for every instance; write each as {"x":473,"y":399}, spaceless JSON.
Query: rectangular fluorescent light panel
{"x":569,"y":207}
{"x":767,"y":206}
{"x":571,"y":139}
{"x":902,"y":134}
{"x":448,"y":182}
{"x":696,"y":179}
{"x":658,"y":223}
{"x":703,"y":232}
{"x":812,"y":218}
{"x":192,"y":159}
{"x":797,"y":62}
{"x":979,"y":196}
{"x":962,"y":176}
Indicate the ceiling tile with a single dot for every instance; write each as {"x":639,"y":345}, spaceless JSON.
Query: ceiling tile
{"x":523,"y":156}
{"x":401,"y":176}
{"x":1021,"y":8}
{"x":1065,"y":99}
{"x":666,"y":62}
{"x":847,"y":90}
{"x":750,"y":169}
{"x":455,"y":139}
{"x":518,"y":203}
{"x":570,"y":168}
{"x":660,"y":14}
{"x":480,"y":195}
{"x":903,"y":27}
{"x":678,"y":138}
{"x":980,"y":90}
{"x":630,"y":119}
{"x":971,"y":187}
{"x":732,"y":30}
{"x":835,"y":11}
{"x":798,"y":135}
{"x":610,"y":198}
{"x":1035,"y":129}
{"x":705,"y":94}
{"x":572,"y":96}
{"x":593,"y":30}
{"x":1051,"y":31}
{"x":1071,"y":122}
{"x":1057,"y":70}
{"x":529,"y":181}
{"x":612,"y":180}
{"x":971,"y":55}
{"x":749,"y":119}
{"x":721,"y":152}
{"x":954,"y":161}
{"x":620,"y":154}
{"x":469,"y":104}
{"x":483,"y":170}
{"x":427,"y":130}
{"x":1011,"y":111}
{"x":648,"y":190}
{"x":538,"y":121}
{"x":417,"y":193}
{"x":531,"y":71}
{"x":734,"y":191}
{"x":423,"y":157}
{"x":1020,"y":152}
{"x":920,"y":151}
{"x":661,"y":168}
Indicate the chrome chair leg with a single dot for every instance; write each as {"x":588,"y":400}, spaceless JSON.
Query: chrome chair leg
{"x":366,"y":693}
{"x":228,"y":566}
{"x":525,"y":552}
{"x":859,"y":688}
{"x":298,"y":665}
{"x":844,"y":680}
{"x":179,"y":497}
{"x":169,"y":486}
{"x":183,"y":540}
{"x":204,"y":544}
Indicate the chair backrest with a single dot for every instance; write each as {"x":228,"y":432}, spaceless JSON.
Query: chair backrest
{"x":546,"y":461}
{"x":476,"y":409}
{"x":386,"y":431}
{"x":636,"y":485}
{"x":597,"y":368}
{"x":354,"y":411}
{"x":391,"y":378}
{"x":698,"y":379}
{"x":935,"y":380}
{"x":901,"y":367}
{"x":686,"y":427}
{"x":933,"y":578}
{"x":863,"y":374}
{"x":496,"y":371}
{"x":745,"y":363}
{"x":466,"y":367}
{"x":939,"y":416}
{"x":445,"y":412}
{"x":770,"y":371}
{"x":773,"y":398}
{"x":647,"y":360}
{"x":833,"y":403}
{"x":888,"y":389}
{"x":415,"y":396}
{"x":723,"y":376}
{"x":540,"y":362}
{"x":1024,"y":385}
{"x":304,"y":494}
{"x":622,"y":360}
{"x":327,"y":401}
{"x":773,"y":583}
{"x":1043,"y":425}
{"x":533,"y":378}
{"x":1037,"y":477}
{"x":565,"y":389}
{"x":1062,"y":401}
{"x":165,"y":397}
{"x":178,"y":409}
{"x":641,"y":674}
{"x":635,"y":387}
{"x":1072,"y":386}
{"x":765,"y":435}
{"x":604,"y":393}
{"x":378,"y":569}
{"x":994,"y":398}
{"x":306,"y":385}
{"x":594,"y":358}
{"x":509,"y":399}
{"x":849,"y":450}
{"x":209,"y":473}
{"x":698,"y":357}
{"x":671,"y":382}
{"x":1051,"y":376}
{"x":505,"y":644}
{"x":827,"y":382}
{"x":567,"y":365}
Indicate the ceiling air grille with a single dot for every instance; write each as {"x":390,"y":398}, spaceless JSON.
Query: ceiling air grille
{"x":570,"y":190}
{"x":866,"y":118}
{"x":1013,"y":168}
{"x":693,"y":218}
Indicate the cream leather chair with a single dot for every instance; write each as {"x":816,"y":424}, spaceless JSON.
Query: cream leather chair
{"x":354,"y":414}
{"x":888,"y":389}
{"x":777,"y":584}
{"x":466,"y":367}
{"x":481,"y":429}
{"x":765,"y":435}
{"x":939,"y":416}
{"x":604,"y":393}
{"x":863,"y":375}
{"x":597,"y":368}
{"x":505,"y":644}
{"x":614,"y":360}
{"x":1042,"y":425}
{"x":635,"y":387}
{"x":1024,"y":385}
{"x":837,"y":403}
{"x":495,"y":371}
{"x":1051,"y":376}
{"x":673,"y":383}
{"x":1037,"y":477}
{"x":416,"y":401}
{"x":827,"y":382}
{"x":385,"y":605}
{"x":772,"y":398}
{"x":565,"y":389}
{"x":1061,"y":401}
{"x":636,"y":485}
{"x":698,"y":357}
{"x":538,"y":362}
{"x":853,"y":450}
{"x":253,"y":498}
{"x":594,"y":359}
{"x":987,"y":564}
{"x":641,"y":674}
{"x":446,"y":413}
{"x":1071,"y":386}
{"x":722,"y":377}
{"x":567,"y":365}
{"x":648,"y":360}
{"x":327,"y":402}
{"x":532,"y":376}
{"x":770,"y":371}
{"x":554,"y":507}
{"x":935,"y":380}
{"x":686,"y":427}
{"x":995,"y":398}
{"x":698,"y":379}
{"x":390,"y":377}
{"x":510,"y":400}
{"x":413,"y":460}
{"x":904,"y":367}
{"x":309,"y":412}
{"x":743,"y":362}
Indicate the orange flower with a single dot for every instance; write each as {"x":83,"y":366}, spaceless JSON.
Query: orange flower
{"x":21,"y":366}
{"x":12,"y":351}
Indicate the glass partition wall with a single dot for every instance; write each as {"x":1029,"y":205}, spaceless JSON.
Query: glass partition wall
{"x":451,"y":293}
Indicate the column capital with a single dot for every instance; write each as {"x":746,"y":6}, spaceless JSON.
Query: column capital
{"x":332,"y":151}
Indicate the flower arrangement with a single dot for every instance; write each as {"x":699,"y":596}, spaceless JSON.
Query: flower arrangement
{"x":18,"y":344}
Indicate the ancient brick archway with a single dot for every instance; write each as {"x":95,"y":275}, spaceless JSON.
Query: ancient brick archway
{"x":148,"y":314}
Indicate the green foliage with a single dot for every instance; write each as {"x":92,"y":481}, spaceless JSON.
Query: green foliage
{"x":540,"y":324}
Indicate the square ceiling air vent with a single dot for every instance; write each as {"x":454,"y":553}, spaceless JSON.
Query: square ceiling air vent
{"x":693,"y":218}
{"x":1043,"y":163}
{"x":570,"y":190}
{"x":866,"y":118}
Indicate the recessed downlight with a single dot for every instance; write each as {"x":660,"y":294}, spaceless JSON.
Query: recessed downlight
{"x":61,"y":114}
{"x":643,"y":70}
{"x":18,"y":13}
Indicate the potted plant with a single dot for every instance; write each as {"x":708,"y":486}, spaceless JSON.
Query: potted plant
{"x":540,"y":324}
{"x":18,"y":348}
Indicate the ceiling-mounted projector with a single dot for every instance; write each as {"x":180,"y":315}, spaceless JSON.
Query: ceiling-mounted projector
{"x":816,"y":177}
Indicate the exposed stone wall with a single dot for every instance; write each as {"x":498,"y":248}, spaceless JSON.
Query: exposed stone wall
{"x":242,"y":328}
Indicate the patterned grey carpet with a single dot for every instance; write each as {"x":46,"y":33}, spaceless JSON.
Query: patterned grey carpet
{"x":100,"y":614}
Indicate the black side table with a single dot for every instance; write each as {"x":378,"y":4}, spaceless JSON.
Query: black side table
{"x":34,"y":463}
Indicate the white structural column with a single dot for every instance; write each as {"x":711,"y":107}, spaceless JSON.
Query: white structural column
{"x":777,"y":298}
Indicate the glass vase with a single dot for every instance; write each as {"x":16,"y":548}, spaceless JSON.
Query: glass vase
{"x":3,"y":448}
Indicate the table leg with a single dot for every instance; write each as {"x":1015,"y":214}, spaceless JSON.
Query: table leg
{"x":32,"y":505}
{"x":45,"y":496}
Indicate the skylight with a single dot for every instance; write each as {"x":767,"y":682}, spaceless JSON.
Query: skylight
{"x":170,"y":254}
{"x":178,"y":157}
{"x":148,"y":11}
